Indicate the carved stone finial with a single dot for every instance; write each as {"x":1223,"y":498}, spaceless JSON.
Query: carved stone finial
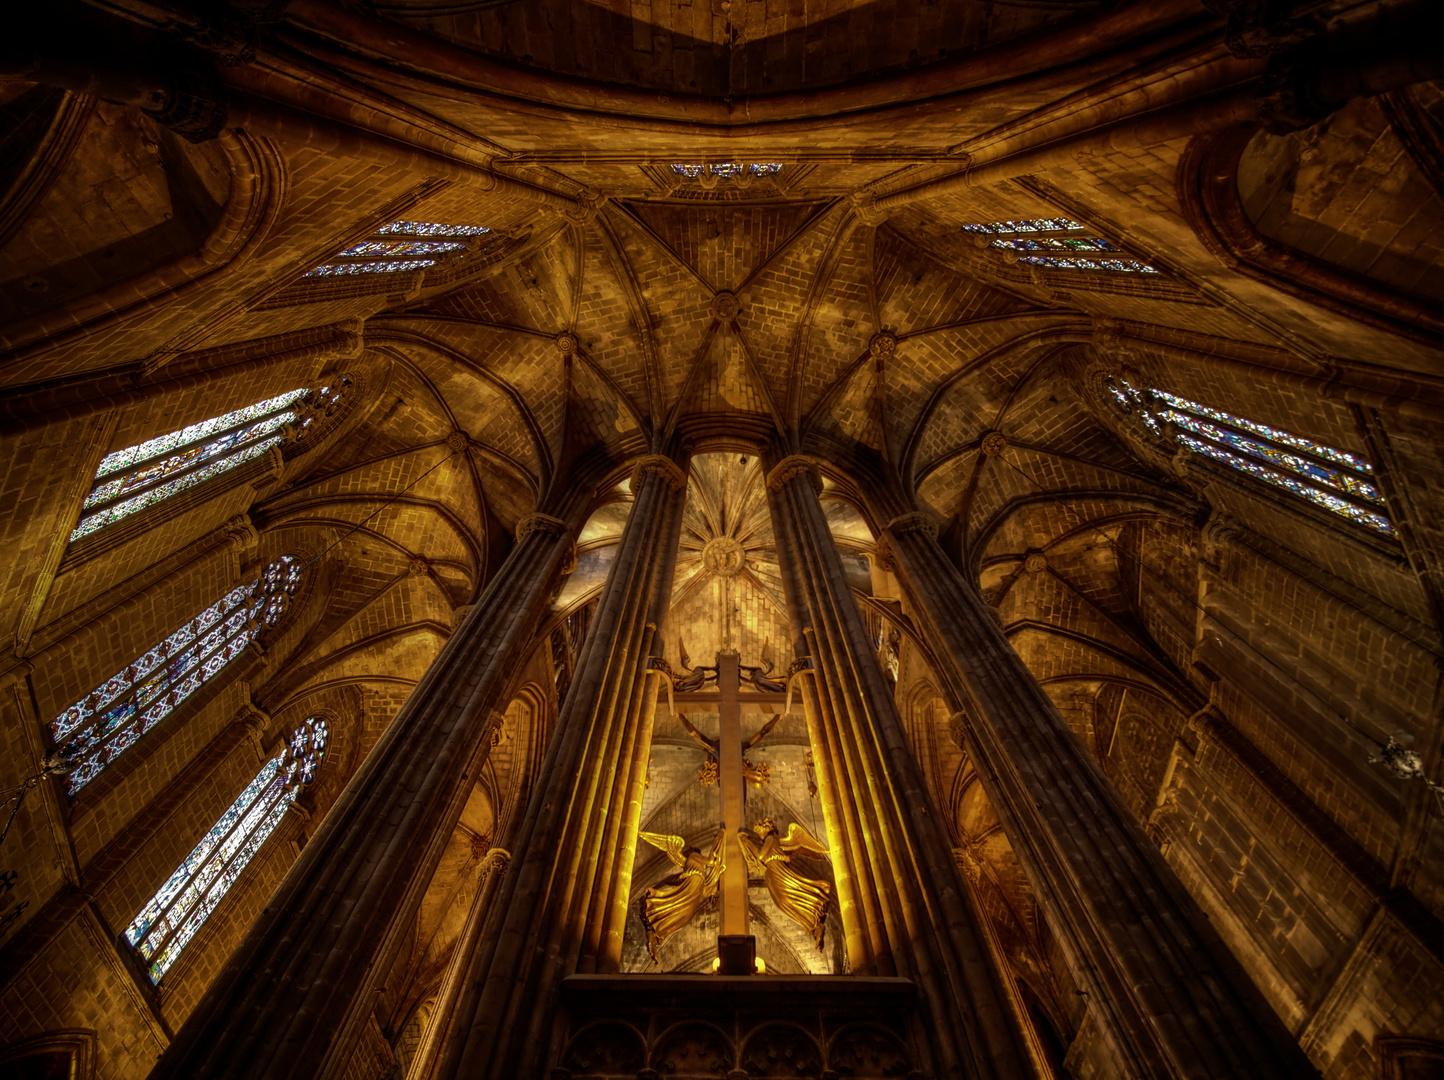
{"x":457,"y":441}
{"x":882,"y":345}
{"x":543,"y":523}
{"x":994,"y":443}
{"x":671,"y":473}
{"x":725,"y":305}
{"x":794,"y":465}
{"x":917,"y":521}
{"x":567,"y":343}
{"x":1035,"y":562}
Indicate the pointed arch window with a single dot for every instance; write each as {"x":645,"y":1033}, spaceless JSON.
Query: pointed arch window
{"x":140,"y":476}
{"x":401,"y":246}
{"x":730,"y":170}
{"x":1334,"y":479}
{"x":105,"y":723}
{"x":191,"y":893}
{"x":1057,"y":243}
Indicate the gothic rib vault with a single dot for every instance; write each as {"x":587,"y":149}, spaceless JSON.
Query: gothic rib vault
{"x":1106,"y":732}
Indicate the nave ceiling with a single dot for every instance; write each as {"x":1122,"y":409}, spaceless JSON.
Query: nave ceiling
{"x":616,"y":309}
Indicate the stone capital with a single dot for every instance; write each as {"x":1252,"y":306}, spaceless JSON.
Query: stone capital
{"x":540,"y":523}
{"x":917,"y":521}
{"x":672,"y":474}
{"x":792,"y":466}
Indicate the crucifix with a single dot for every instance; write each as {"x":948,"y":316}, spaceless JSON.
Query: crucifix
{"x":735,"y":851}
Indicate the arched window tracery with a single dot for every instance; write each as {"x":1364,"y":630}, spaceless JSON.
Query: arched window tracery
{"x":1324,"y":475}
{"x":178,"y":909}
{"x":140,"y":476}
{"x":107,"y":721}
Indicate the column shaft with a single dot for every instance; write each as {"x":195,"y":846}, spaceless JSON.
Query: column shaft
{"x":1171,"y":998}
{"x":294,"y":997}
{"x":912,"y":904}
{"x":566,"y":854}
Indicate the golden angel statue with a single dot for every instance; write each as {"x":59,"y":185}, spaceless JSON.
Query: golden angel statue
{"x":803,"y":898}
{"x":670,"y":904}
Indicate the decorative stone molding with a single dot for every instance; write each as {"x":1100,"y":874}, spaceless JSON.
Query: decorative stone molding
{"x":567,"y":343}
{"x":917,"y":521}
{"x":540,"y":523}
{"x":458,"y":615}
{"x":672,"y":474}
{"x":497,"y":859}
{"x":458,"y":441}
{"x":882,"y":345}
{"x":418,"y":567}
{"x":725,"y":305}
{"x":1035,"y":562}
{"x":792,"y":466}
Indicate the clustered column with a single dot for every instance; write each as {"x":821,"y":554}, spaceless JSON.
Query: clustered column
{"x":903,"y":907}
{"x":1165,"y":990}
{"x":561,"y":906}
{"x":292,"y":1000}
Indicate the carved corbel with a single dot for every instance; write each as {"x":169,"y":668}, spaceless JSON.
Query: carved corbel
{"x":1218,"y":534}
{"x":960,"y":726}
{"x":257,"y":722}
{"x":543,"y":523}
{"x":241,"y":538}
{"x":660,"y":465}
{"x":916,"y":521}
{"x":792,"y":466}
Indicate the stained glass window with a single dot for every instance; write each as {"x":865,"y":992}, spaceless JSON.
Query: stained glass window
{"x":729,"y":170}
{"x":188,"y":897}
{"x":140,"y":476}
{"x":101,"y":726}
{"x":394,"y":248}
{"x":1032,"y":225}
{"x":1026,"y":238}
{"x":1328,"y":477}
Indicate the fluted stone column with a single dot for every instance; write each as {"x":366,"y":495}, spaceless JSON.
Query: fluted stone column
{"x":1163,"y":987}
{"x":557,"y":901}
{"x":909,"y":913}
{"x":295,"y":996}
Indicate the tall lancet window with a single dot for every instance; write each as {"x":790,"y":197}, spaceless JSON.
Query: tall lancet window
{"x":185,"y":901}
{"x":1328,"y":477}
{"x":101,"y":726}
{"x":139,"y":476}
